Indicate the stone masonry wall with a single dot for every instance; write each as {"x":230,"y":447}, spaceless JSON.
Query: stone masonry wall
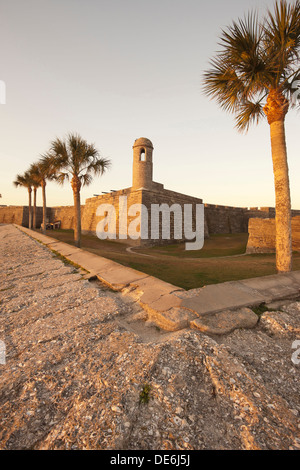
{"x":218,"y":219}
{"x":165,"y":196}
{"x":12,"y":215}
{"x":19,"y":215}
{"x":225,"y":219}
{"x":90,"y":220}
{"x":262,"y":237}
{"x":64,"y":214}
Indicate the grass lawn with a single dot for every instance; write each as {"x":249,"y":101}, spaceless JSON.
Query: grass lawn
{"x":217,"y":262}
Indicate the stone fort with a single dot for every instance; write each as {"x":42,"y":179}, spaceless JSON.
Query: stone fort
{"x":218,"y":218}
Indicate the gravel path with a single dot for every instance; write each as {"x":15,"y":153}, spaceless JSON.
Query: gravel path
{"x":82,"y":362}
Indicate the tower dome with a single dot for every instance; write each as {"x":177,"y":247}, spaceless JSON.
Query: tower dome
{"x":143,"y":141}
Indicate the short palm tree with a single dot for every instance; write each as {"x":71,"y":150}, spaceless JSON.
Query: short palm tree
{"x":253,"y":76}
{"x":26,"y":181}
{"x":41,"y":171}
{"x":75,"y":159}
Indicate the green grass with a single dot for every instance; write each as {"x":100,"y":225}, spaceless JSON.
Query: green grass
{"x":262,"y":308}
{"x":145,"y":393}
{"x":216,"y":246}
{"x":216,"y":262}
{"x":67,"y":262}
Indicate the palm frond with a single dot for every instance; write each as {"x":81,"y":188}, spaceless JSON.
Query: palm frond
{"x":60,"y":177}
{"x":282,"y":38}
{"x":249,"y":113}
{"x":35,"y":174}
{"x":19,"y":181}
{"x":58,"y":153}
{"x":49,"y":165}
{"x":256,"y":57}
{"x":75,"y":157}
{"x":86,"y":179}
{"x":95,"y":166}
{"x":25,"y":180}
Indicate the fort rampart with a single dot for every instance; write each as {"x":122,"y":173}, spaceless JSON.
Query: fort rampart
{"x":218,"y":218}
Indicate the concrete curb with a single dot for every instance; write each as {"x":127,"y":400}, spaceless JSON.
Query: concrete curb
{"x":169,"y":306}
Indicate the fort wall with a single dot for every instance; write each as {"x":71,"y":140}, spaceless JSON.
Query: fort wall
{"x":90,"y":219}
{"x":218,"y":218}
{"x":64,"y":214}
{"x":262,"y":235}
{"x":19,"y":215}
{"x":259,"y":222}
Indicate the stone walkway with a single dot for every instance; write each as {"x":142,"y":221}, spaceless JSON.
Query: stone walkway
{"x":172,"y":308}
{"x":82,"y":361}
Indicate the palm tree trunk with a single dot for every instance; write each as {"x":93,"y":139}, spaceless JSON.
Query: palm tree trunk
{"x":34,"y":208}
{"x":282,"y":196}
{"x":29,"y":209}
{"x":76,"y":185}
{"x":77,"y":225}
{"x":43,"y":184}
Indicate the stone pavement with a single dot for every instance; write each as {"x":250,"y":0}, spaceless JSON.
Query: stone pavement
{"x":85,"y":369}
{"x":170,"y":307}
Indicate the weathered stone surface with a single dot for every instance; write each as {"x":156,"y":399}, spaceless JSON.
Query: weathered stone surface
{"x":20,"y":215}
{"x":173,"y":319}
{"x":262,"y":237}
{"x":78,"y":357}
{"x":274,"y":287}
{"x":215,"y":298}
{"x":224,"y":322}
{"x":284,"y":323}
{"x":153,"y":291}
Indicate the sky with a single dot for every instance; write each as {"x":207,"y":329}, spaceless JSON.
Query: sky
{"x":116,"y":70}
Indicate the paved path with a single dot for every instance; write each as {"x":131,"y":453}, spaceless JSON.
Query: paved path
{"x":80,"y":359}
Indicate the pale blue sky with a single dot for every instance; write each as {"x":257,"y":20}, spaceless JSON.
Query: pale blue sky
{"x":116,"y":70}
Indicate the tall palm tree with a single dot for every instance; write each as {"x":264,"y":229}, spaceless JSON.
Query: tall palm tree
{"x":41,"y":171}
{"x":75,"y":159}
{"x":35,"y":185}
{"x":253,"y":76}
{"x":26,"y":181}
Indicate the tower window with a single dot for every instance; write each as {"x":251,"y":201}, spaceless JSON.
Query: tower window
{"x":143,"y":155}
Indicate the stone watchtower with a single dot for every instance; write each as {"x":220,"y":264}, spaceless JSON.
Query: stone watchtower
{"x":142,"y":175}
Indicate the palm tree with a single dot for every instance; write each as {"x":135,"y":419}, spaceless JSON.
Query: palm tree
{"x":252,"y":77}
{"x":35,"y":185}
{"x":26,"y":181}
{"x":75,"y":159}
{"x":41,"y":171}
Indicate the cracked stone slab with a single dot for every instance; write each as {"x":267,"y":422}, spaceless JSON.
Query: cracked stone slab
{"x":118,"y":277}
{"x":163,"y":303}
{"x":224,"y":322}
{"x":89,"y":261}
{"x":274,"y":287}
{"x":217,"y":297}
{"x":173,"y":319}
{"x":157,"y":293}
